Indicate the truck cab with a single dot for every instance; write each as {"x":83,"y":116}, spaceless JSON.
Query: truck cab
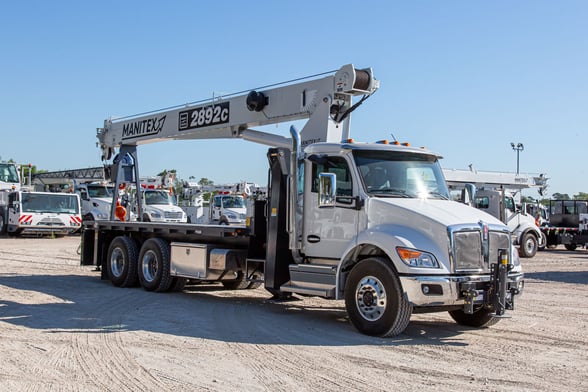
{"x":226,"y":209}
{"x":502,"y":205}
{"x":43,"y":213}
{"x":96,"y":200}
{"x":160,"y":206}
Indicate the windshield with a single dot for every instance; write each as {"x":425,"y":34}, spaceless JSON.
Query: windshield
{"x":55,"y":203}
{"x":158,"y":197}
{"x":386,"y":174}
{"x":233,"y":202}
{"x":99,"y":191}
{"x":8,"y":173}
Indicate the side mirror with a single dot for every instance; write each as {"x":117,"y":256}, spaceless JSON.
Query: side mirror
{"x":327,"y":189}
{"x":468,"y":194}
{"x":16,"y":206}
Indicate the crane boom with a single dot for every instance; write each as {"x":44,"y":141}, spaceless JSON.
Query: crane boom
{"x":514,"y":181}
{"x":325,"y":102}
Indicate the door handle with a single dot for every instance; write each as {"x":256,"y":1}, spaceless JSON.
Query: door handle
{"x":313,"y":239}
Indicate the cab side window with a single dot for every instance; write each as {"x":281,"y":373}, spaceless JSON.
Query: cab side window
{"x":337,"y":166}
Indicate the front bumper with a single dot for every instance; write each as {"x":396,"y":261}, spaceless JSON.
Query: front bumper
{"x":444,"y":290}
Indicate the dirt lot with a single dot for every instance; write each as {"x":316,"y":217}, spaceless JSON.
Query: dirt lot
{"x":62,"y":328}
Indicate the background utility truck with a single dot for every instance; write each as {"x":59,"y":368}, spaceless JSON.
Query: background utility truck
{"x":370,"y":223}
{"x":568,"y":224}
{"x":228,"y":208}
{"x":89,"y":183}
{"x":493,"y":195}
{"x":42,"y":213}
{"x":159,"y":206}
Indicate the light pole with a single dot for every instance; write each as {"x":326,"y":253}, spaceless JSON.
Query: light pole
{"x":518,"y":148}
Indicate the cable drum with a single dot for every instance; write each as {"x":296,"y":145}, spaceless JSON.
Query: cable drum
{"x":362,"y":80}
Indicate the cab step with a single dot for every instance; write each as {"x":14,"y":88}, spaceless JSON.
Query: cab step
{"x":312,"y":279}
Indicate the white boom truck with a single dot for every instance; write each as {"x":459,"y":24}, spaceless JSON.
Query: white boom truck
{"x":493,"y":195}
{"x":370,"y":223}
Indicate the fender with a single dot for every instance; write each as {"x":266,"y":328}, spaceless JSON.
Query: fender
{"x":521,"y":230}
{"x":385,"y":239}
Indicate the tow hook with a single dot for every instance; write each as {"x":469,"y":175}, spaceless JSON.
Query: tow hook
{"x":469,"y":294}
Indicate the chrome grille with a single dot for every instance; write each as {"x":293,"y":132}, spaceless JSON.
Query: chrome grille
{"x":498,"y":240}
{"x":474,"y":248}
{"x":50,"y":222}
{"x":173,"y":215}
{"x":467,"y":250}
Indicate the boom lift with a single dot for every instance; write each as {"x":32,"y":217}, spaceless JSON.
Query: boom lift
{"x":370,"y":223}
{"x":89,"y":183}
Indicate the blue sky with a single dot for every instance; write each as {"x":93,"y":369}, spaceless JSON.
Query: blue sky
{"x":463,"y":78}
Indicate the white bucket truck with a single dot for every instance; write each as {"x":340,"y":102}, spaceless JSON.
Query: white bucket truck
{"x":493,"y":195}
{"x":160,"y":206}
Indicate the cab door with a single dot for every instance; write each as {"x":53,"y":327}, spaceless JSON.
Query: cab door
{"x":86,"y":203}
{"x":328,"y":231}
{"x":14,"y":209}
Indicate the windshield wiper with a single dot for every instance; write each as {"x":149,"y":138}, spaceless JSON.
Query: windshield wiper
{"x":438,"y":194}
{"x":391,"y":192}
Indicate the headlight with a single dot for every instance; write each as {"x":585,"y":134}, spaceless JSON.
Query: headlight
{"x":102,"y":215}
{"x":515,"y":257}
{"x":231,"y":216}
{"x":417,"y":258}
{"x":155,"y":214}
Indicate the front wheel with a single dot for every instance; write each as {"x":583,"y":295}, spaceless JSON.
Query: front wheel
{"x":2,"y":225}
{"x":528,"y":246}
{"x":374,"y":299}
{"x":543,"y":242}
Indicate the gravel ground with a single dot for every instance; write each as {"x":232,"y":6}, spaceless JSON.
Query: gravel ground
{"x":63,"y":329}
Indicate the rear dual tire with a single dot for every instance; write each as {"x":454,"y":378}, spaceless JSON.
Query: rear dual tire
{"x":154,"y":265}
{"x":122,"y":262}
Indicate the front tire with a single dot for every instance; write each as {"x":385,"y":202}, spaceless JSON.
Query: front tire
{"x":122,"y":262}
{"x":482,"y":318}
{"x":374,"y":299}
{"x":2,"y":224}
{"x":543,"y":242}
{"x":528,"y":247}
{"x":154,"y":265}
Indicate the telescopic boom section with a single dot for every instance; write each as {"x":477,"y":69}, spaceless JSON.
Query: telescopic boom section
{"x":326,"y":103}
